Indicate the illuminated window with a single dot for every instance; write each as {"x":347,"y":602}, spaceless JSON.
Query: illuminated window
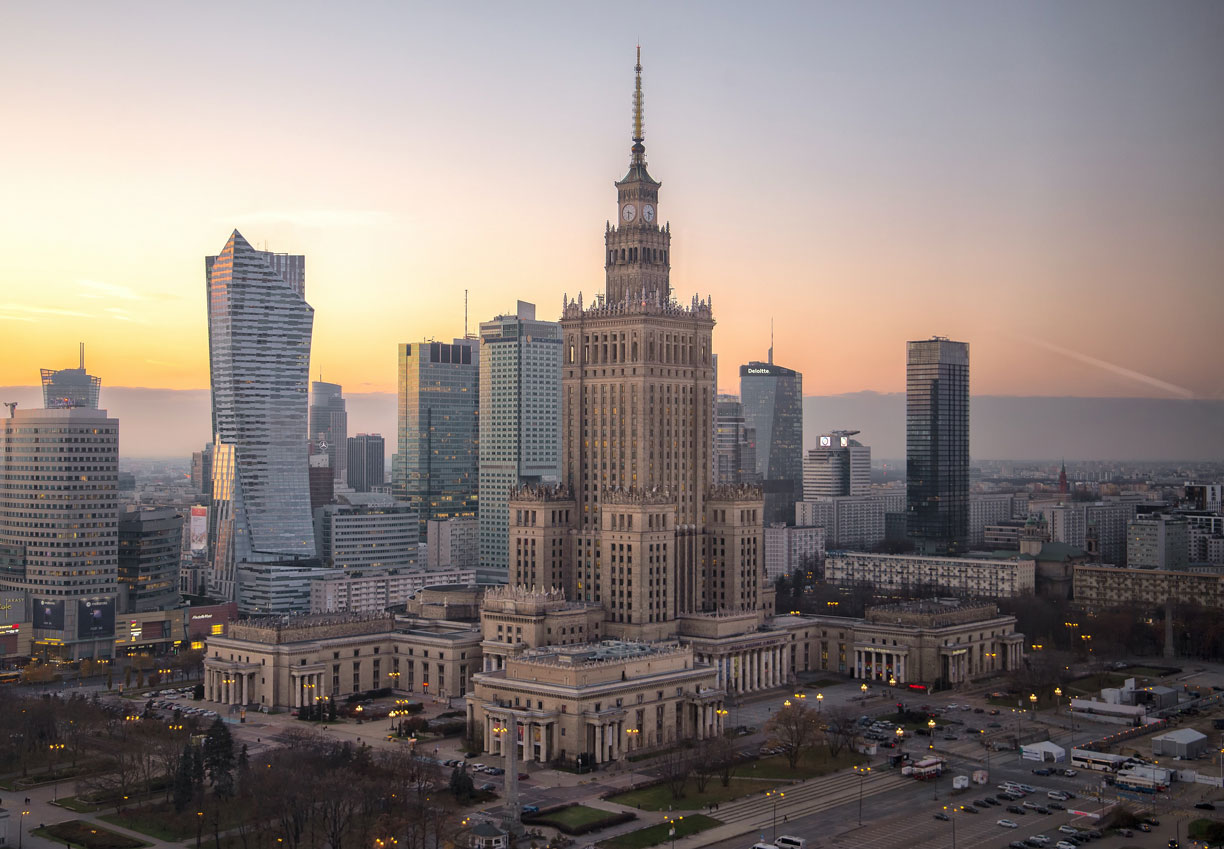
{"x":196,"y":644}
{"x":217,"y":629}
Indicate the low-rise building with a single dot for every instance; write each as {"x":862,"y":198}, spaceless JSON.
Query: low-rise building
{"x":373,"y":593}
{"x":287,"y":663}
{"x":968,"y":576}
{"x":596,"y":703}
{"x":1101,"y":587}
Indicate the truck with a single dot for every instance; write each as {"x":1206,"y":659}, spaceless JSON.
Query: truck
{"x":960,"y":782}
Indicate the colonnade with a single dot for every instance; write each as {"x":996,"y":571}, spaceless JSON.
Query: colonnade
{"x":229,"y":686}
{"x":749,"y":670}
{"x":496,"y":740}
{"x":880,"y":664}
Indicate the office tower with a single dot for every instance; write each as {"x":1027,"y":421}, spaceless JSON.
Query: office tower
{"x":201,"y":471}
{"x":520,"y":418}
{"x":259,"y":328}
{"x":365,"y":461}
{"x":773,"y":407}
{"x":150,"y":552}
{"x":329,"y":425}
{"x":70,"y":387}
{"x":59,"y":524}
{"x":937,"y":444}
{"x":367,"y":534}
{"x":734,"y":443}
{"x":322,"y":482}
{"x":452,"y":543}
{"x":838,"y":466}
{"x":438,"y":432}
{"x":1158,"y":541}
{"x":636,"y":526}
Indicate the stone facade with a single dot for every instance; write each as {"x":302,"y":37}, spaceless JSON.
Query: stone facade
{"x":601,"y":701}
{"x":992,"y":578}
{"x":1101,"y":587}
{"x":288,"y":664}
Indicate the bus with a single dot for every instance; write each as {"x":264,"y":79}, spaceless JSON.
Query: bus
{"x":10,"y":676}
{"x":1099,"y":761}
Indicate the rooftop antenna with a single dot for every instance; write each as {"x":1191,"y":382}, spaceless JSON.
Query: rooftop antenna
{"x":771,"y":340}
{"x":82,"y":356}
{"x":465,"y":313}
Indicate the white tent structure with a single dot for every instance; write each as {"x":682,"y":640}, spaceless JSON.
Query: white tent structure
{"x":1043,"y":751}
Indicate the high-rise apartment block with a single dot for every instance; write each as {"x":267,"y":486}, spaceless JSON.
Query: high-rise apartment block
{"x":259,"y":329}
{"x":1157,"y":541}
{"x":987,"y":509}
{"x":520,"y":418}
{"x":150,"y":555}
{"x":366,"y":461}
{"x":772,"y":399}
{"x":452,"y":543}
{"x":59,"y":524}
{"x":201,"y":471}
{"x":329,"y":426}
{"x":839,"y":465}
{"x":367,"y":534}
{"x":937,"y":444}
{"x":792,"y":547}
{"x":1205,"y":496}
{"x":1096,"y":526}
{"x":734,"y":444}
{"x":436,"y":465}
{"x":851,"y":522}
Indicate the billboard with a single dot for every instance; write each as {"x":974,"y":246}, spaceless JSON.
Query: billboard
{"x":95,"y":618}
{"x":49,"y":614}
{"x":199,"y":528}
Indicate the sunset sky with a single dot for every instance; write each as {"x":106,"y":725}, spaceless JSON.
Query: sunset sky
{"x":1042,"y":180}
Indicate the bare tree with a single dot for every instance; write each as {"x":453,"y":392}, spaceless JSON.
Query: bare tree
{"x":794,"y":729}
{"x":841,"y":728}
{"x":674,"y":766}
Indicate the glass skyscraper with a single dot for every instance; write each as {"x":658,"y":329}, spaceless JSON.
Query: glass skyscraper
{"x":520,"y":418}
{"x":329,"y":426}
{"x":937,"y":444}
{"x":259,"y":329}
{"x":772,"y":399}
{"x":436,"y":464}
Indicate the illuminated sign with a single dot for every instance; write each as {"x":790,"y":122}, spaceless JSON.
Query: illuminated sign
{"x":195,"y":616}
{"x":758,"y":371}
{"x":826,"y":441}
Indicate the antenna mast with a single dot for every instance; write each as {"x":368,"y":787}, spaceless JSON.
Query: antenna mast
{"x":82,"y":356}
{"x":465,"y":313}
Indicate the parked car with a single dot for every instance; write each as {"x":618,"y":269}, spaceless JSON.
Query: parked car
{"x":1040,"y":839}
{"x":1056,"y":806}
{"x":969,"y":809}
{"x":940,"y":815}
{"x":1042,"y":771}
{"x":1008,"y":823}
{"x":1068,"y":829}
{"x":1205,"y":806}
{"x":980,"y":803}
{"x":488,"y":785}
{"x":990,"y":801}
{"x":1042,"y":810}
{"x":531,"y":809}
{"x":1015,"y":809}
{"x":1144,"y":827}
{"x":1064,"y":844}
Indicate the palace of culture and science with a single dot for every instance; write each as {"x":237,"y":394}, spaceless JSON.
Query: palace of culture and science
{"x":637,"y":604}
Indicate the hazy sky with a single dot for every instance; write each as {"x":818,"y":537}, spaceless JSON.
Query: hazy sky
{"x":1042,"y":180}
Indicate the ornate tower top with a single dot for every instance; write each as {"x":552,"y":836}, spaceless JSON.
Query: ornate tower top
{"x":639,"y":149}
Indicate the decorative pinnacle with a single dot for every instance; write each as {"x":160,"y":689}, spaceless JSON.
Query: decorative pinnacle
{"x":638,"y":148}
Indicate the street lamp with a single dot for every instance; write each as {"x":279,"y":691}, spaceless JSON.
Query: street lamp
{"x":633,"y":735}
{"x":952,"y":818}
{"x":55,"y":749}
{"x":819,"y":700}
{"x":801,"y":696}
{"x":935,"y":783}
{"x":1033,"y":702}
{"x":900,"y":737}
{"x":892,"y":680}
{"x":862,"y":772}
{"x":786,"y":703}
{"x":21,"y":828}
{"x":864,"y":689}
{"x":778,"y":796}
{"x":671,"y":831}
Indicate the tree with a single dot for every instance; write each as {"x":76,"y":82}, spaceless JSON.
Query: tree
{"x":674,"y":767}
{"x":794,"y":729}
{"x":461,"y":786}
{"x":331,"y":710}
{"x":705,"y":764}
{"x":219,"y":759}
{"x":184,"y":781}
{"x":841,"y":728}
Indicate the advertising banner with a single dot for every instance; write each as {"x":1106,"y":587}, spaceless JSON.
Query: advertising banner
{"x":199,"y":528}
{"x":95,"y":618}
{"x":49,"y":614}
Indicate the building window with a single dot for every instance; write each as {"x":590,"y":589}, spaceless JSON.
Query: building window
{"x":217,"y":630}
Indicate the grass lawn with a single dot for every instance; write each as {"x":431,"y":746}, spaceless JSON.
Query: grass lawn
{"x":160,"y":820}
{"x":655,"y":834}
{"x":812,"y":764}
{"x":1146,"y":672}
{"x":659,"y":797}
{"x":86,"y":835}
{"x":574,"y":816}
{"x":77,"y":805}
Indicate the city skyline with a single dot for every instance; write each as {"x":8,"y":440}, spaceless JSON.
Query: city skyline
{"x":1022,"y":198}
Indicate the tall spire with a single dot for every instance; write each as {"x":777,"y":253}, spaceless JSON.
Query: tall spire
{"x":639,"y":150}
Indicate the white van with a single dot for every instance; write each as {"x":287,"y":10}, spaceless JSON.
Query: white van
{"x":789,"y":841}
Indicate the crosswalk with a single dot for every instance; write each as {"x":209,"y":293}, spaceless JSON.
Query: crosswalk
{"x":804,"y":799}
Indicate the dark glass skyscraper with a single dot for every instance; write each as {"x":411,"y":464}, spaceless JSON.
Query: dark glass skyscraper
{"x":438,"y":433}
{"x":772,"y":398}
{"x":937,"y":444}
{"x":329,"y":425}
{"x":365,"y":461}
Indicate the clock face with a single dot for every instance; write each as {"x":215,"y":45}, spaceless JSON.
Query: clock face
{"x":629,"y":212}
{"x":825,"y":441}
{"x":648,"y":213}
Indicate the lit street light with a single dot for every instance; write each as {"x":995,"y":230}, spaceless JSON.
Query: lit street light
{"x":671,"y":831}
{"x":778,"y":796}
{"x":21,"y":828}
{"x":864,"y":689}
{"x":1033,"y":702}
{"x":862,"y":772}
{"x":819,"y":700}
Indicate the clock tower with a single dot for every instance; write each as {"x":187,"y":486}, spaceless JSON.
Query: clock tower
{"x":637,"y":249}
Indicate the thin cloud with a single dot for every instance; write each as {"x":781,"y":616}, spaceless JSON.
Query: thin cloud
{"x":1113,"y":368}
{"x":15,"y":318}
{"x":10,"y":308}
{"x":100,"y":289}
{"x":120,"y":314}
{"x":321,"y":219}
